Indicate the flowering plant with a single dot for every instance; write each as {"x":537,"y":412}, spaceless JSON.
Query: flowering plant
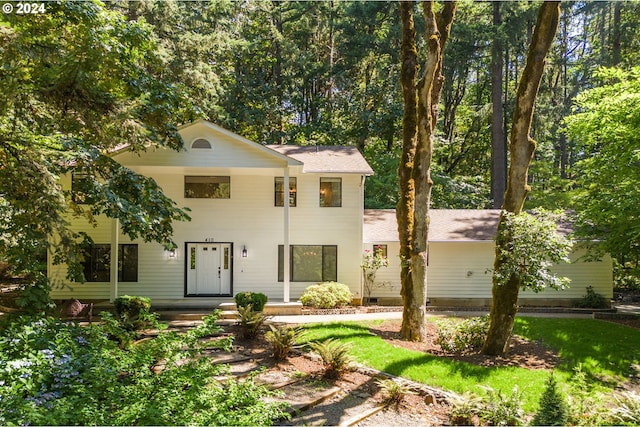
{"x":371,"y":263}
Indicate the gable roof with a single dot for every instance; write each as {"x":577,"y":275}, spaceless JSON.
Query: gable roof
{"x":240,"y":139}
{"x":326,"y":158}
{"x":447,"y":225}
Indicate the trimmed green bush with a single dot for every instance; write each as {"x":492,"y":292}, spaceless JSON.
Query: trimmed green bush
{"x":256,"y":300}
{"x":464,"y":336}
{"x":326,"y":295}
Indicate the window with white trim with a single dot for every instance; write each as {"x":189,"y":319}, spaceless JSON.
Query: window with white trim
{"x":310,"y":263}
{"x":207,"y":187}
{"x":97,"y":263}
{"x":279,"y":191}
{"x":330,"y":192}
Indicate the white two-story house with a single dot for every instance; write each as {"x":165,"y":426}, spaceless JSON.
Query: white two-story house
{"x":276,"y":219}
{"x":243,"y":222}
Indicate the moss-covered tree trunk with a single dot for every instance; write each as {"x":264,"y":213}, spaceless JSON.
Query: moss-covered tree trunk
{"x":414,"y":174}
{"x":505,"y":295}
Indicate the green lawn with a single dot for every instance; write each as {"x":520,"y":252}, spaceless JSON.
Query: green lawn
{"x":605,"y":350}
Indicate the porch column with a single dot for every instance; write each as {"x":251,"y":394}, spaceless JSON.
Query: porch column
{"x":286,"y":252}
{"x":115,"y":233}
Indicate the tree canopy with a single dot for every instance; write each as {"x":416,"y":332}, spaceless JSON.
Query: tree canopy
{"x":79,"y":82}
{"x":605,"y":125}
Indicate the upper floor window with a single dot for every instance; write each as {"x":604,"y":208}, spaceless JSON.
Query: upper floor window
{"x":207,"y":187}
{"x":279,"y":191}
{"x":201,"y":143}
{"x":330,"y":192}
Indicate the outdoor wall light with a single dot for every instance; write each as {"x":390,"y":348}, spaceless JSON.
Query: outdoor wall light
{"x":244,"y":252}
{"x":172,"y":253}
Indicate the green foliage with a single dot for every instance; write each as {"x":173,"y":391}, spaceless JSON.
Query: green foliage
{"x":581,"y":397}
{"x":499,"y":409}
{"x":251,"y":321}
{"x":56,"y":373}
{"x":134,"y":312}
{"x":626,"y":276}
{"x":335,"y":356}
{"x":80,"y":82}
{"x":606,"y":364}
{"x":283,"y":339}
{"x":461,"y":192}
{"x":606,"y":127}
{"x":627,"y":409}
{"x":393,"y":391}
{"x":326,"y":295}
{"x":462,"y":336}
{"x":371,"y":263}
{"x":527,"y":246}
{"x":257,"y":300}
{"x":35,"y":297}
{"x":592,"y":300}
{"x":553,"y":409}
{"x":464,"y":409}
{"x":493,"y":408}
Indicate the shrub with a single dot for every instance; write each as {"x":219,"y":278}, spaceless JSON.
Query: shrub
{"x":326,"y":295}
{"x":393,"y":391}
{"x":256,"y":299}
{"x":283,"y":339}
{"x":335,"y":357}
{"x":627,"y":408}
{"x":251,"y":321}
{"x":592,"y":300}
{"x":462,"y":336}
{"x":502,"y":410}
{"x":57,"y":373}
{"x":464,"y":409}
{"x":553,"y":406}
{"x":134,"y":312}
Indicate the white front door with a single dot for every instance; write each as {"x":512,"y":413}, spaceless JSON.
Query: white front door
{"x":209,"y":269}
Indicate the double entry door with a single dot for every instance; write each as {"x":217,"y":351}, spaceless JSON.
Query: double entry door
{"x":209,"y":269}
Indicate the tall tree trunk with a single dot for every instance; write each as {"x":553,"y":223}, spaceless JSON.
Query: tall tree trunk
{"x":414,"y":173}
{"x":505,"y":295}
{"x":615,"y":44}
{"x":498,"y":142}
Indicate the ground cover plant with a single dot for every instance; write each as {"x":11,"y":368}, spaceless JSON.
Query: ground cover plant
{"x":606,"y":353}
{"x":59,"y":373}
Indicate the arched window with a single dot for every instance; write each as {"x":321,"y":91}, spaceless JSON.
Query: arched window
{"x":200,"y":143}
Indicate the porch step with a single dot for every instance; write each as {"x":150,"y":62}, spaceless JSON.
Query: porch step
{"x":270,"y":309}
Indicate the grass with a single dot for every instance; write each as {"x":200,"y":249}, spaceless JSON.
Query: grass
{"x":605,"y":350}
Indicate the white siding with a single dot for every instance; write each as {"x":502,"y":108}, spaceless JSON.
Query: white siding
{"x":459,"y":270}
{"x":249,"y":218}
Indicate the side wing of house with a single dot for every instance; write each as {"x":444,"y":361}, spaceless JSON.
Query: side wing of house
{"x":240,"y":223}
{"x":461,"y":255}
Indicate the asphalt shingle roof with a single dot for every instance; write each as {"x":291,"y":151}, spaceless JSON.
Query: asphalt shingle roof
{"x":446,"y":225}
{"x":328,"y":159}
